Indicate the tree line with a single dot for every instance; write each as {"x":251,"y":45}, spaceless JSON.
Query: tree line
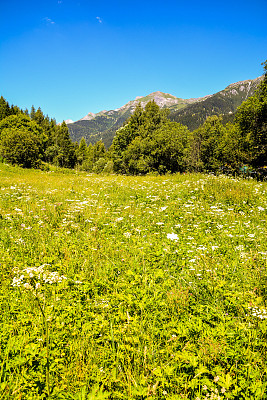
{"x":32,"y":140}
{"x":149,"y":142}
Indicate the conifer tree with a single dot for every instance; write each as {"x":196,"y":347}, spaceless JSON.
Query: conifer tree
{"x":66,"y":157}
{"x":39,"y":116}
{"x":4,"y":108}
{"x":32,"y":113}
{"x":98,"y":150}
{"x":82,"y":153}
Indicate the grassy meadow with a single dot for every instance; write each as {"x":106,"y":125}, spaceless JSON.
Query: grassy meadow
{"x":119,"y":287}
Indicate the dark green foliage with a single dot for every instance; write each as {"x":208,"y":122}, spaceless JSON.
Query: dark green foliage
{"x":81,"y":151}
{"x":94,"y":130}
{"x":39,"y":116}
{"x":216,"y":147}
{"x":4,"y":108}
{"x":210,"y":136}
{"x":33,"y":111}
{"x":92,"y":157}
{"x":165,"y":151}
{"x":65,"y":156}
{"x":251,"y":120}
{"x":22,"y":141}
{"x":125,"y":135}
{"x":99,"y":165}
{"x":149,"y":142}
{"x":98,"y":150}
{"x":223,"y":103}
{"x":21,"y":147}
{"x":21,"y":121}
{"x":54,"y":143}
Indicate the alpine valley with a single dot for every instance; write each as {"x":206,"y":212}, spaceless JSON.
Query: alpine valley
{"x":189,"y":112}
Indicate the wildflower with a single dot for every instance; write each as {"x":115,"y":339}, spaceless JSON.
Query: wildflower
{"x":36,"y":274}
{"x":258,"y":312}
{"x":216,"y":378}
{"x":223,"y":390}
{"x":163,"y":209}
{"x":172,"y":236}
{"x":27,"y":286}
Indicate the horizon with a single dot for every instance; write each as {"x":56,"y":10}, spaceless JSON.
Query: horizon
{"x":73,"y":57}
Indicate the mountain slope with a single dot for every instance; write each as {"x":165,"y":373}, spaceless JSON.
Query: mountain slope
{"x":104,"y":124}
{"x":189,"y":112}
{"x":222,"y":103}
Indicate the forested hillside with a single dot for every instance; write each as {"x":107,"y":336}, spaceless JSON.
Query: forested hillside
{"x":224,"y":103}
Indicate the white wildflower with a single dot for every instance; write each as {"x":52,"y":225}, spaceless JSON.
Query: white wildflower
{"x":27,"y":286}
{"x":172,"y":236}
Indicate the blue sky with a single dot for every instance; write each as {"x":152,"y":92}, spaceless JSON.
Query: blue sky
{"x":73,"y":57}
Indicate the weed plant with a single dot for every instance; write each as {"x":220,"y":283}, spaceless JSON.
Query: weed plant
{"x":116,"y":287}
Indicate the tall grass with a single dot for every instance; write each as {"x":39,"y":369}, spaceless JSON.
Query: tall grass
{"x":166,"y":289}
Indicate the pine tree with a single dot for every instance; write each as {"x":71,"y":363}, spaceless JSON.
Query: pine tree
{"x":39,"y":116}
{"x":32,"y":114}
{"x":82,"y":153}
{"x":98,"y":150}
{"x":67,"y":157}
{"x":4,"y":108}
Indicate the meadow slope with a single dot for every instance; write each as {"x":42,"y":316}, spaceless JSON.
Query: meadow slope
{"x":116,"y":287}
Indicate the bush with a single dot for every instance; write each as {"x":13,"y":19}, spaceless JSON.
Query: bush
{"x":99,"y":165}
{"x":21,"y":147}
{"x":108,"y":169}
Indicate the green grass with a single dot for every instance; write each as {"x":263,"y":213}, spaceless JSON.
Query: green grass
{"x":166,"y":286}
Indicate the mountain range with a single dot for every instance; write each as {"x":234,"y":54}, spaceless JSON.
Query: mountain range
{"x":190,"y":112}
